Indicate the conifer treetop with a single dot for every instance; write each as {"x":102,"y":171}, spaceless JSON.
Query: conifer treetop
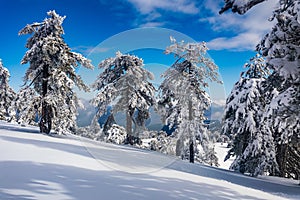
{"x":196,"y":55}
{"x":4,"y":74}
{"x":48,"y":48}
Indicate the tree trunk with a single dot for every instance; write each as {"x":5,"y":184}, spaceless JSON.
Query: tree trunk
{"x":45,"y":122}
{"x":129,"y":128}
{"x":281,"y":159}
{"x":108,"y":124}
{"x":191,"y":147}
{"x":192,"y":152}
{"x":179,"y":147}
{"x":139,"y":122}
{"x":129,"y":113}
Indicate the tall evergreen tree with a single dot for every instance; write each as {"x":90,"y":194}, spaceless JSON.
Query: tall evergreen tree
{"x":281,"y":47}
{"x":183,"y":98}
{"x":52,"y":74}
{"x":242,"y":119}
{"x":7,"y":95}
{"x":282,"y":51}
{"x":124,"y":85}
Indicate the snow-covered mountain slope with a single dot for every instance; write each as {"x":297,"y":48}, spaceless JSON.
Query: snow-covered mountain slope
{"x":36,"y":166}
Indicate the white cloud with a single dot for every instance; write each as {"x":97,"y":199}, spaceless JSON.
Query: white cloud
{"x":152,"y":24}
{"x":243,"y":41}
{"x":217,"y":116}
{"x":217,"y":109}
{"x":219,"y":102}
{"x":248,"y":29}
{"x":150,"y":11}
{"x":149,"y":6}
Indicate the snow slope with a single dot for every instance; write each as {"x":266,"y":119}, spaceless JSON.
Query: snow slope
{"x":36,"y":166}
{"x":221,"y":150}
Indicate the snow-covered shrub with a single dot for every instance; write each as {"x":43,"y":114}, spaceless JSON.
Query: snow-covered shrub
{"x":158,"y":141}
{"x":84,"y":132}
{"x":164,"y":143}
{"x":89,"y":132}
{"x":116,"y":134}
{"x":147,"y":138}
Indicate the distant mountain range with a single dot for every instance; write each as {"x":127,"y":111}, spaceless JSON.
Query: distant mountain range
{"x":86,"y":115}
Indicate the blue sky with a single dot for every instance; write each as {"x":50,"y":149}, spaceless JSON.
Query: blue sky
{"x":231,"y":38}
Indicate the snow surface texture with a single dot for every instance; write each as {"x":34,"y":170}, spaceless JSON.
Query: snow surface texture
{"x":36,"y":166}
{"x":221,"y":150}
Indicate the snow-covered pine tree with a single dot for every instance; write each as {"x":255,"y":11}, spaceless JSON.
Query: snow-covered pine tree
{"x":52,"y":74}
{"x":243,"y":113}
{"x":26,"y":106}
{"x":168,"y":106}
{"x":124,"y":84}
{"x":282,"y":52}
{"x":7,"y":94}
{"x":281,"y":47}
{"x":183,"y":98}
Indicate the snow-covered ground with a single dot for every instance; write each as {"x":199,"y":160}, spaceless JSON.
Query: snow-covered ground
{"x":221,"y":150}
{"x":36,"y":166}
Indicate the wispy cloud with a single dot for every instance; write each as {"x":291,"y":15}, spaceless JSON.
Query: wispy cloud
{"x":241,"y":42}
{"x":219,"y":102}
{"x":90,"y":49}
{"x":151,"y":24}
{"x":152,"y":13}
{"x":231,"y":31}
{"x":247,"y":30}
{"x":149,"y":6}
